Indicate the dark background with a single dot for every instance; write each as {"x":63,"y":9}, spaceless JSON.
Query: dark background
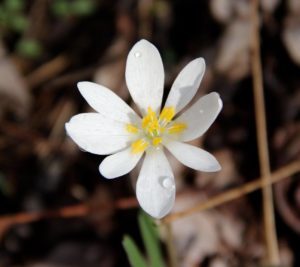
{"x":48,"y":46}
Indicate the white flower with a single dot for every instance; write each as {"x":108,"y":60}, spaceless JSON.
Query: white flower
{"x":116,"y":129}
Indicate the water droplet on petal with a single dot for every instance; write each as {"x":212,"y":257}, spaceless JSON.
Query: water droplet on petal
{"x":137,"y":54}
{"x":168,"y":183}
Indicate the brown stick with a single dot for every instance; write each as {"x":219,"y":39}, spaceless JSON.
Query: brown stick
{"x":48,"y":71}
{"x":79,"y":210}
{"x":232,"y":194}
{"x":131,"y":202}
{"x":272,"y":256}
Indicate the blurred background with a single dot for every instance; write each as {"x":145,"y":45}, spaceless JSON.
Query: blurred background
{"x":47,"y":46}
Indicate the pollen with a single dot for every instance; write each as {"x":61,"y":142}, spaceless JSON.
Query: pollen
{"x":177,"y":127}
{"x":167,"y":114}
{"x":139,"y":146}
{"x":150,"y":124}
{"x":131,"y":128}
{"x":156,"y":141}
{"x":152,"y":129}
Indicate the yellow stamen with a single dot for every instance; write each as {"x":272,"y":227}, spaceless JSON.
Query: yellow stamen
{"x":156,"y":141}
{"x":131,"y":128}
{"x":150,"y":123}
{"x":151,"y":114}
{"x":153,"y":129}
{"x":139,"y":146}
{"x":177,"y":127}
{"x":167,"y":114}
{"x":145,"y":122}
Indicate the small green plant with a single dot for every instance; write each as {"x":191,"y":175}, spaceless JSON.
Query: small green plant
{"x":14,"y":20}
{"x":65,"y":8}
{"x":30,"y":48}
{"x":12,"y":16}
{"x":151,"y":242}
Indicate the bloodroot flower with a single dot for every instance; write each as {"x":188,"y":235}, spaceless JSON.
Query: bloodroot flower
{"x":118,"y":130}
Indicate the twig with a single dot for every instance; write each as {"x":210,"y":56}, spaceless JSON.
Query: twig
{"x":262,"y":140}
{"x":131,"y":202}
{"x":47,"y":71}
{"x":26,"y":217}
{"x":82,"y":74}
{"x":232,"y":194}
{"x":79,"y":210}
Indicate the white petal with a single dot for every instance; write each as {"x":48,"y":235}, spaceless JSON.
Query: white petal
{"x":186,"y":84}
{"x":96,"y":134}
{"x":107,"y":102}
{"x":145,"y":76}
{"x":155,"y":188}
{"x":119,"y":163}
{"x":200,"y":116}
{"x":193,"y":157}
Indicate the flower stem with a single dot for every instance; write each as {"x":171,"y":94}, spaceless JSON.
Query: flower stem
{"x":261,"y":130}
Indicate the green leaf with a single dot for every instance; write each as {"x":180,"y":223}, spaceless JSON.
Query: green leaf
{"x":3,"y":16}
{"x":83,"y":7}
{"x":18,"y":23}
{"x":134,"y":255}
{"x":151,"y":240}
{"x":14,"y":5}
{"x":61,"y":8}
{"x":29,"y":48}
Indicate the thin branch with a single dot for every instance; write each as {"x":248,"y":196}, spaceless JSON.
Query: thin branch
{"x":131,"y":202}
{"x":48,"y":70}
{"x":79,"y":210}
{"x":262,"y":141}
{"x":235,"y":193}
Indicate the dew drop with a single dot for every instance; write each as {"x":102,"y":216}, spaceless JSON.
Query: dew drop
{"x":201,"y":111}
{"x":168,"y":183}
{"x":137,"y":54}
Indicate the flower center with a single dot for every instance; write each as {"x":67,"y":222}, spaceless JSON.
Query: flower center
{"x":153,"y":129}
